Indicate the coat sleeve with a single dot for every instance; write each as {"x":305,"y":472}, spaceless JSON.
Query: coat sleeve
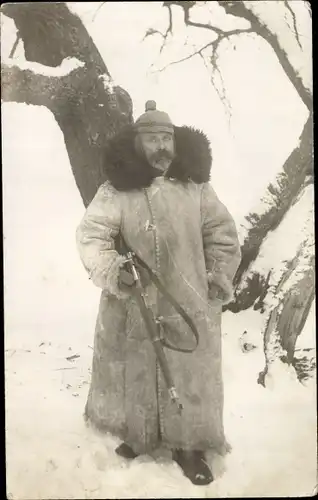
{"x":95,"y":239}
{"x":221,"y":245}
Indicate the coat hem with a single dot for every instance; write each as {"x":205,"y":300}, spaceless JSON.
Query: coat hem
{"x":119,"y":434}
{"x":222,"y":449}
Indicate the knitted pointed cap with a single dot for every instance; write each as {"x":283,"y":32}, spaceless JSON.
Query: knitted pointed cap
{"x":154,"y":120}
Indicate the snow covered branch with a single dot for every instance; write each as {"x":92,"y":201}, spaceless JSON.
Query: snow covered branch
{"x":68,"y":65}
{"x":34,"y":83}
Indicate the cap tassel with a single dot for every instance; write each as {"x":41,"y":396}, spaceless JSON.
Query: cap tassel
{"x":151,"y":106}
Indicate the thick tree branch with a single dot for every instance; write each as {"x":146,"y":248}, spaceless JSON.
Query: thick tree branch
{"x":23,"y":85}
{"x":52,"y":39}
{"x":238,"y":9}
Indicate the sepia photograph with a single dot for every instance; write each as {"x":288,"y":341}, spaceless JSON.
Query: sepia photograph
{"x":158,"y":242}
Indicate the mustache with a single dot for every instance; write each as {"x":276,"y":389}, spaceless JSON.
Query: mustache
{"x":163,"y":154}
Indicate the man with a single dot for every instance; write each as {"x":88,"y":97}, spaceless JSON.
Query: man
{"x":158,"y":198}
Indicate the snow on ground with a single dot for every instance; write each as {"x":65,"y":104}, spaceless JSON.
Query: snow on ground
{"x":50,"y":310}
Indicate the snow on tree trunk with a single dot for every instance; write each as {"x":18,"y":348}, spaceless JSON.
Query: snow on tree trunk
{"x":305,"y":350}
{"x":85,"y":103}
{"x":286,"y":263}
{"x":250,"y":285}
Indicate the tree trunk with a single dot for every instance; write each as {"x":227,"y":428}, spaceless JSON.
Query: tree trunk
{"x":286,"y":322}
{"x":251,"y":286}
{"x":86,"y":106}
{"x":290,"y":272}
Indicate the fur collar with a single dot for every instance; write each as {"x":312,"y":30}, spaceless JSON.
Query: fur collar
{"x":126,"y":171}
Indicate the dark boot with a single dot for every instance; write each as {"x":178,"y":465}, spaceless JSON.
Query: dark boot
{"x":125,"y":451}
{"x":194,"y":466}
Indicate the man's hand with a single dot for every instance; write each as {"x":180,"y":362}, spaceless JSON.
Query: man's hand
{"x":125,"y":278}
{"x":215,"y":293}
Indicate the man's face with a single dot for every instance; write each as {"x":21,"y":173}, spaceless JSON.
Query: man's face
{"x":158,"y":148}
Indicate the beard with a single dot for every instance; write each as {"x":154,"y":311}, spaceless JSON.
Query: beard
{"x":163,"y":164}
{"x":161,"y":160}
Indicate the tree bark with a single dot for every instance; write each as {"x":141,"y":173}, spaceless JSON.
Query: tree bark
{"x":290,"y":281}
{"x":86,"y":107}
{"x":286,"y":321}
{"x":280,"y":196}
{"x":51,"y":32}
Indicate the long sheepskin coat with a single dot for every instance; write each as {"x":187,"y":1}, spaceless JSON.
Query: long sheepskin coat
{"x":178,"y":226}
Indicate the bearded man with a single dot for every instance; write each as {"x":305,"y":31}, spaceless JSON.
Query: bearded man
{"x":158,"y":198}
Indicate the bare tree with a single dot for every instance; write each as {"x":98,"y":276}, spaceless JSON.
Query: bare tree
{"x":89,"y":109}
{"x":255,"y":287}
{"x":85,"y":103}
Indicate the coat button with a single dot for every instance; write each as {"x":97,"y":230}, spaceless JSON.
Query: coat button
{"x":149,"y":227}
